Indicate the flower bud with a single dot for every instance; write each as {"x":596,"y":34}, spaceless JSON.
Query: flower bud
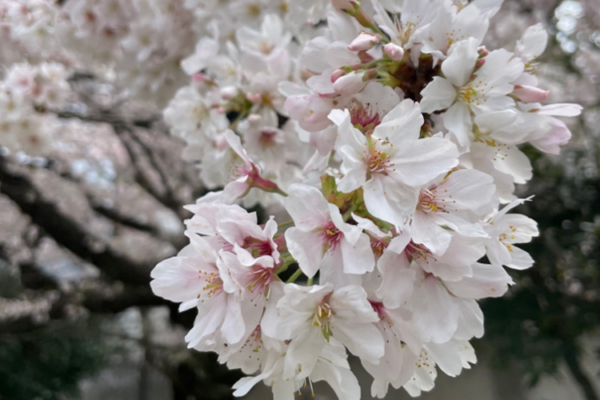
{"x":199,"y":77}
{"x":350,"y":84}
{"x":345,"y":5}
{"x":364,"y":41}
{"x":530,"y":94}
{"x":394,"y":51}
{"x":337,"y":74}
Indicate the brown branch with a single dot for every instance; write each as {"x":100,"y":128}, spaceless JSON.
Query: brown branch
{"x":65,"y":229}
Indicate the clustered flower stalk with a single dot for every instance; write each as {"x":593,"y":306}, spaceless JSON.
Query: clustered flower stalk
{"x":415,"y":130}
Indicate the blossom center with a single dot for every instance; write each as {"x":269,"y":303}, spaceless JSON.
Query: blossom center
{"x":428,"y":201}
{"x":416,"y":251}
{"x":268,"y":137}
{"x":322,"y":318}
{"x":364,"y":119}
{"x":378,"y":161}
{"x":332,"y":235}
{"x":468,"y":94}
{"x":213,"y":285}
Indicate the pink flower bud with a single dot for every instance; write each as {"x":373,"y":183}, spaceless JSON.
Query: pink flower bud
{"x":364,"y":41}
{"x":200,"y":77}
{"x":483,"y":51}
{"x":394,"y":51}
{"x":480,"y":63}
{"x":337,"y":74}
{"x":530,"y":94}
{"x":344,"y":5}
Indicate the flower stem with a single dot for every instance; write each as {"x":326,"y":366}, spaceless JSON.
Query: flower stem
{"x":286,"y":225}
{"x":295,"y":276}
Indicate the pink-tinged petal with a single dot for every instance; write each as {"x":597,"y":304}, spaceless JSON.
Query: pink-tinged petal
{"x":418,"y":162}
{"x":458,"y":67}
{"x":459,"y":122}
{"x":487,"y":281}
{"x":558,"y":135}
{"x":236,"y":189}
{"x":176,"y":279}
{"x":351,"y":232}
{"x":306,"y":248}
{"x":438,"y":95}
{"x":530,"y":94}
{"x":561,"y":110}
{"x":307,"y":206}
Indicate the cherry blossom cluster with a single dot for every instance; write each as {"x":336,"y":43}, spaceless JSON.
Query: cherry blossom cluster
{"x":391,"y":136}
{"x":136,"y":44}
{"x":384,"y":132}
{"x":26,"y":94}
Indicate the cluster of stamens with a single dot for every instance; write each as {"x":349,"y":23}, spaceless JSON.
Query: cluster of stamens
{"x":427,"y":201}
{"x":364,"y":119}
{"x":213,"y":285}
{"x":332,"y":235}
{"x":322,"y":318}
{"x":415,"y":251}
{"x":504,"y":237}
{"x":378,"y":161}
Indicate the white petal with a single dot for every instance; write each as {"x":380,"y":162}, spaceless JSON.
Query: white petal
{"x":520,"y":259}
{"x":458,"y":67}
{"x":487,"y":281}
{"x":358,"y":257}
{"x":393,"y":204}
{"x":400,"y":124}
{"x":438,"y":95}
{"x":306,"y":248}
{"x":459,"y":122}
{"x":307,"y":206}
{"x":420,"y":161}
